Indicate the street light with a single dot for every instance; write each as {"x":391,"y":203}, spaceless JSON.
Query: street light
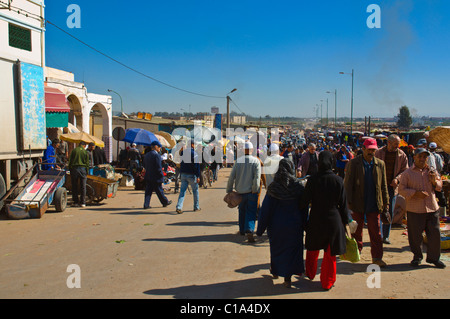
{"x":351,"y":119}
{"x":321,"y":116}
{"x":228,"y":107}
{"x":121,"y":104}
{"x":335,"y":106}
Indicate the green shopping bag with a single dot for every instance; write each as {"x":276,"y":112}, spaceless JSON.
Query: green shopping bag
{"x":352,"y":251}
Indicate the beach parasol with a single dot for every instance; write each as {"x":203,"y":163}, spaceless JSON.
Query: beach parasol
{"x":441,"y":136}
{"x":72,"y":128}
{"x":163,"y":141}
{"x":170,"y":139}
{"x":181,"y":133}
{"x":82,"y":136}
{"x":139,"y":136}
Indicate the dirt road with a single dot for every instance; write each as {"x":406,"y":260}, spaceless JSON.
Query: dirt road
{"x":124,"y":251}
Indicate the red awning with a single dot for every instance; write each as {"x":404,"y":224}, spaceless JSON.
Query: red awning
{"x":55,"y":101}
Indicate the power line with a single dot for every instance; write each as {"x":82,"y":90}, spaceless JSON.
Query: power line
{"x":132,"y":69}
{"x":236,"y":106}
{"x":37,"y":17}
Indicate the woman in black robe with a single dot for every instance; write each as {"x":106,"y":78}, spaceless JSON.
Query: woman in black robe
{"x":327,"y":219}
{"x":284,"y":220}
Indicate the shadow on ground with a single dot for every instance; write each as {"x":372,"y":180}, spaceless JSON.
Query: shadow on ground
{"x":263,"y":286}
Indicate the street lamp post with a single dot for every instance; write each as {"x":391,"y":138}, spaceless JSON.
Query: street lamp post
{"x":321,"y":113}
{"x":121,"y":104}
{"x":351,"y":118}
{"x":335,"y":106}
{"x":228,"y":108}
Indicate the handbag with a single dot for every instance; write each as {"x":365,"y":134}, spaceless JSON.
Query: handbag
{"x":233,"y":199}
{"x":352,"y":251}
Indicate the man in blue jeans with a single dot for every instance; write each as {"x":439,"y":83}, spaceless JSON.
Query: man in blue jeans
{"x":396,"y":163}
{"x":246,"y":178}
{"x":189,"y":175}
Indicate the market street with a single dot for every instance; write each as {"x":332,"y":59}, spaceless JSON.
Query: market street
{"x":124,"y":251}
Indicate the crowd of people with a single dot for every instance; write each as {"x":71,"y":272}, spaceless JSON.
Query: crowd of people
{"x":315,"y":187}
{"x":321,"y":188}
{"x":80,"y":162}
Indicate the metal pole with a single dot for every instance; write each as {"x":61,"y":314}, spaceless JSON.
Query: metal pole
{"x":351,"y":120}
{"x":335,"y":108}
{"x":321,"y":116}
{"x":121,"y":102}
{"x":228,"y":111}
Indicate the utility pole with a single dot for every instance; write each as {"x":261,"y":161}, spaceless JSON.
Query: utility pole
{"x":228,"y":111}
{"x":335,"y":108}
{"x":228,"y":108}
{"x":351,"y":119}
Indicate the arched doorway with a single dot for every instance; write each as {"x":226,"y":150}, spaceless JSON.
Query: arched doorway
{"x":98,"y":121}
{"x":76,"y":114}
{"x":100,"y":125}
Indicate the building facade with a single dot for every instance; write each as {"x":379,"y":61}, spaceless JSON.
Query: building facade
{"x":85,"y":107}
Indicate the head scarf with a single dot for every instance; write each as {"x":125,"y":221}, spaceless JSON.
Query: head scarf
{"x":325,"y":161}
{"x":285,"y":185}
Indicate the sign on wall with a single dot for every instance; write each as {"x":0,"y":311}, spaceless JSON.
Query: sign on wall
{"x":32,"y":107}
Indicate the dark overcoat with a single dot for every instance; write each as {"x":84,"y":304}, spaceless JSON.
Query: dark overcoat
{"x":284,"y":221}
{"x":328,"y":214}
{"x":153,"y":167}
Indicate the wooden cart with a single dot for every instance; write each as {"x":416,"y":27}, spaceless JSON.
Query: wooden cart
{"x":97,"y":188}
{"x":44,"y":189}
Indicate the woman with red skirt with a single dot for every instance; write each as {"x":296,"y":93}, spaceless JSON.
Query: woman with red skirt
{"x":328,"y":216}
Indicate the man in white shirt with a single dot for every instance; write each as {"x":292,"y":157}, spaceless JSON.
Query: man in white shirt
{"x":271,"y":163}
{"x":245,"y":177}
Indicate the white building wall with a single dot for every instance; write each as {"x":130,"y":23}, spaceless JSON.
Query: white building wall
{"x":33,"y":22}
{"x":63,"y":81}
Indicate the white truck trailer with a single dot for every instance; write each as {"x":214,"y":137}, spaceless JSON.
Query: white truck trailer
{"x":22,"y":97}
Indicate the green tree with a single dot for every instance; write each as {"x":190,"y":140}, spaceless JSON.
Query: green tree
{"x":404,"y":119}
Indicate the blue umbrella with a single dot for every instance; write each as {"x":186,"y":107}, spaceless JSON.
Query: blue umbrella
{"x":139,"y":136}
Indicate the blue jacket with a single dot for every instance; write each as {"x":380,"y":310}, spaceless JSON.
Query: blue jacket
{"x":191,"y":168}
{"x":49,"y":158}
{"x":153,"y":167}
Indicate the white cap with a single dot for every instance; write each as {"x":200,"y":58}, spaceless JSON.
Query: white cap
{"x":433,"y":145}
{"x":248,"y":145}
{"x":274,"y":148}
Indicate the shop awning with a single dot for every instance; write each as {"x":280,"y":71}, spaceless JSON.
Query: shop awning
{"x":56,"y":108}
{"x":55,"y":101}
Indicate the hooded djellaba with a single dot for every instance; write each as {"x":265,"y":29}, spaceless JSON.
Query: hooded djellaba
{"x":329,"y":213}
{"x":282,"y":216}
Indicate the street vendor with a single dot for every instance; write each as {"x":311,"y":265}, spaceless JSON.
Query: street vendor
{"x":79,"y":166}
{"x":49,"y":158}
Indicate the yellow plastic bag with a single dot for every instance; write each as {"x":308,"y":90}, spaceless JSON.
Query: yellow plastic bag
{"x":352,"y":251}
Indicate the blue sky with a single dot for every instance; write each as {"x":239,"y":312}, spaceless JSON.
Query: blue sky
{"x":282,"y":56}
